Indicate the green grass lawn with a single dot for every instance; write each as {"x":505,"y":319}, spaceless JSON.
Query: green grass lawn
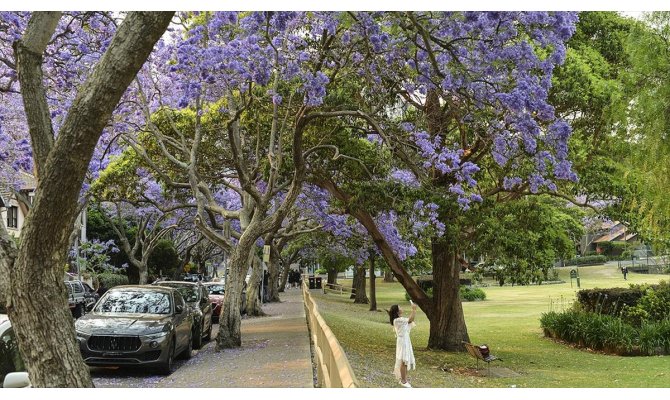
{"x":508,"y":321}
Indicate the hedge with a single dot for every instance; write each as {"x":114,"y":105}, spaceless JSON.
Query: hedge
{"x":110,"y":280}
{"x":587,"y":260}
{"x":607,"y":333}
{"x":609,"y":301}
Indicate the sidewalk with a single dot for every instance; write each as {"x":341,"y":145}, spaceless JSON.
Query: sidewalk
{"x":275,"y":353}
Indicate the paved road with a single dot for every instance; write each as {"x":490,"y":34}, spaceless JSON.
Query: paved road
{"x":275,"y":353}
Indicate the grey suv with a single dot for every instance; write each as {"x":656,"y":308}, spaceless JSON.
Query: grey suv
{"x":137,"y":325}
{"x":197,"y":298}
{"x":76,"y":297}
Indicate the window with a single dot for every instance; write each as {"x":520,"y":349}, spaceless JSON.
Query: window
{"x":12,"y":217}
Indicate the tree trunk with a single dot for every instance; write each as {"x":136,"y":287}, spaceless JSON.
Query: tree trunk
{"x":254,"y":287}
{"x":283,"y":279}
{"x":40,"y":316}
{"x":359,"y":284}
{"x":447,"y":323}
{"x":229,"y":335}
{"x":388,"y":276}
{"x":273,"y":270}
{"x":332,"y":276}
{"x":144,"y":273}
{"x":373,"y":294}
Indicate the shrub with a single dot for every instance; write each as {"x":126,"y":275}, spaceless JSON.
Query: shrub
{"x":609,"y":301}
{"x":429,"y":293}
{"x":110,"y":279}
{"x":587,"y":260}
{"x":472,"y":294}
{"x":599,"y":331}
{"x":653,"y":305}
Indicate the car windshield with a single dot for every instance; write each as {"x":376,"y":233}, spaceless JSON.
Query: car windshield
{"x":216,"y":289}
{"x":188,"y":292}
{"x":134,"y":302}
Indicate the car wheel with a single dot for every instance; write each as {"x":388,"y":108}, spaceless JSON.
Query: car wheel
{"x":166,"y":367}
{"x":197,"y":338}
{"x":188,"y":353}
{"x":209,"y":331}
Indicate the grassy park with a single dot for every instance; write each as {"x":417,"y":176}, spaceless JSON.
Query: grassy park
{"x":508,"y":322}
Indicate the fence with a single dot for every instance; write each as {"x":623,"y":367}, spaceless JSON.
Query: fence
{"x":337,"y":288}
{"x":333,"y":368}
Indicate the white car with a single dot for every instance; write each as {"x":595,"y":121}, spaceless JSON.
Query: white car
{"x":12,"y":369}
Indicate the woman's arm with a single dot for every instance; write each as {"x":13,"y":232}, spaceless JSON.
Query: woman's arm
{"x":412,"y":314}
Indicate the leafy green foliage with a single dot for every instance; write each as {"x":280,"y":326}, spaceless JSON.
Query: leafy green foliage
{"x":472,"y":294}
{"x":110,"y":279}
{"x":605,"y":332}
{"x":653,"y":306}
{"x":164,"y":260}
{"x":587,"y":260}
{"x":521,"y":240}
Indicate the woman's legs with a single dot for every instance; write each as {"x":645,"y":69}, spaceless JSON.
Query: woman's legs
{"x":403,"y":373}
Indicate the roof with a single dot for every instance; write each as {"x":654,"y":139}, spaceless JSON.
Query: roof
{"x":618,"y":234}
{"x":180,"y":283}
{"x":609,"y":224}
{"x":142,"y":288}
{"x":27,"y":183}
{"x":610,"y":237}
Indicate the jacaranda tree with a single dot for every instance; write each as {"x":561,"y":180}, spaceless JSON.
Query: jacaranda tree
{"x":42,"y":54}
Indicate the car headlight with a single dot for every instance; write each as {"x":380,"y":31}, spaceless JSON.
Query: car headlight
{"x":81,"y":333}
{"x":157,"y":335}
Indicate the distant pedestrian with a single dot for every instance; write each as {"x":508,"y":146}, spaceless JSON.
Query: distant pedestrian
{"x":624,"y":271}
{"x":404,"y":354}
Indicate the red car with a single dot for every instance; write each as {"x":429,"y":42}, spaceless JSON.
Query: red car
{"x":216,"y":291}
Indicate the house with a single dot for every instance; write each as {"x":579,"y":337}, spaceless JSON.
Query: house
{"x":13,"y":209}
{"x":611,"y":238}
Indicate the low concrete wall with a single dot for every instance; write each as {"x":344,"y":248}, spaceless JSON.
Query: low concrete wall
{"x":332,"y":365}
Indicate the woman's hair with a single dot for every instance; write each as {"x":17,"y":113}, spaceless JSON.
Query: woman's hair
{"x":393,"y":312}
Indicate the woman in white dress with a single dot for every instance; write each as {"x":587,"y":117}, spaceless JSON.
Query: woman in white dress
{"x":404,"y":354}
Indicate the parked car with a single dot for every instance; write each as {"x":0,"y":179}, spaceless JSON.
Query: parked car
{"x":197,"y":299}
{"x":137,"y":325}
{"x":216,"y":291}
{"x":12,"y":368}
{"x":76,"y":297}
{"x":216,"y":294}
{"x":90,"y":296}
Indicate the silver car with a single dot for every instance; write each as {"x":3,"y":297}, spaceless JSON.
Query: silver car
{"x":136,"y":325}
{"x":12,"y":368}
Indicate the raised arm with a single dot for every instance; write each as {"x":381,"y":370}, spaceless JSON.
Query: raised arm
{"x":412,"y":314}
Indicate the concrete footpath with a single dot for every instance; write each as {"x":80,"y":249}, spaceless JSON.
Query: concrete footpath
{"x":275,"y":353}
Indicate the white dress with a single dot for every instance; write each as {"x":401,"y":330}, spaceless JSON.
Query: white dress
{"x":403,"y":347}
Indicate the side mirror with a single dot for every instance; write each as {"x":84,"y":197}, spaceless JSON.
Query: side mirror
{"x":17,"y":380}
{"x":179,"y":309}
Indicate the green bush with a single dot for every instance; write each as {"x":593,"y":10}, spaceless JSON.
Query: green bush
{"x":609,"y":301}
{"x":587,"y":260}
{"x":429,"y":293}
{"x":472,"y":294}
{"x":110,"y":279}
{"x":605,"y":332}
{"x":653,"y":305}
